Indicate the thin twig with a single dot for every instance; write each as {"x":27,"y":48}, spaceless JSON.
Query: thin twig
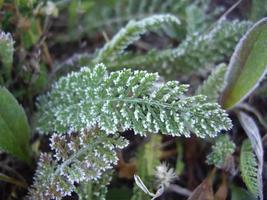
{"x":229,"y":11}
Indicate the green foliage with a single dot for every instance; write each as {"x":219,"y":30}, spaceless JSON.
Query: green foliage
{"x":119,"y":193}
{"x":109,"y":16}
{"x":127,"y":100}
{"x":81,"y":7}
{"x":139,"y":194}
{"x":258,"y":9}
{"x":40,"y":80}
{"x":127,"y":10}
{"x":249,"y":167}
{"x":195,"y":52}
{"x":131,"y":33}
{"x":252,"y":130}
{"x":221,"y":150}
{"x":247,"y":66}
{"x":180,"y":165}
{"x":214,"y":84}
{"x":147,"y":160}
{"x":78,"y":158}
{"x":31,"y":36}
{"x":25,"y":3}
{"x":15,"y":131}
{"x":239,"y":193}
{"x":87,"y":110}
{"x":93,"y":98}
{"x":149,"y":157}
{"x":6,"y":54}
{"x":199,"y":16}
{"x":95,"y":190}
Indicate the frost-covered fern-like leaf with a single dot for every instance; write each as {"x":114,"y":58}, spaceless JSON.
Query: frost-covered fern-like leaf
{"x":253,"y":133}
{"x":6,"y":53}
{"x":127,"y":100}
{"x":214,"y":84}
{"x":78,"y":158}
{"x":221,"y":150}
{"x":249,"y":167}
{"x":195,"y":52}
{"x":131,"y":32}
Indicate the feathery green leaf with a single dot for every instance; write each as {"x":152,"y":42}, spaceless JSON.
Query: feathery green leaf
{"x":222,"y":148}
{"x":214,"y":84}
{"x":132,"y":32}
{"x":195,"y":52}
{"x":127,"y":100}
{"x":78,"y":158}
{"x":249,"y":167}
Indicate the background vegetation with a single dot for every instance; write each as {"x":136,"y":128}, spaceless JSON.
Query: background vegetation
{"x":80,"y":119}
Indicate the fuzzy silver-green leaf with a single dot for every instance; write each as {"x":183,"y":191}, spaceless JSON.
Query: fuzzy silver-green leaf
{"x":125,"y":100}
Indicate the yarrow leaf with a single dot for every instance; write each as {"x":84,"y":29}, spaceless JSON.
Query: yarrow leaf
{"x":132,"y":32}
{"x":214,"y":84}
{"x":195,"y":52}
{"x":253,"y":133}
{"x":222,"y":148}
{"x":125,"y":100}
{"x":78,"y":158}
{"x":249,"y":168}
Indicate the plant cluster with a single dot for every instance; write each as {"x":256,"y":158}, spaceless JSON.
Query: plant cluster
{"x":87,"y":104}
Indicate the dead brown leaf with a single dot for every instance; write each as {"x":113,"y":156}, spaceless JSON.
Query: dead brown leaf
{"x":222,"y":192}
{"x":204,"y":191}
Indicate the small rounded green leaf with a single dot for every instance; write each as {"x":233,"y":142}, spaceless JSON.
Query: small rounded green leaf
{"x":247,"y":66}
{"x":14,"y":128}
